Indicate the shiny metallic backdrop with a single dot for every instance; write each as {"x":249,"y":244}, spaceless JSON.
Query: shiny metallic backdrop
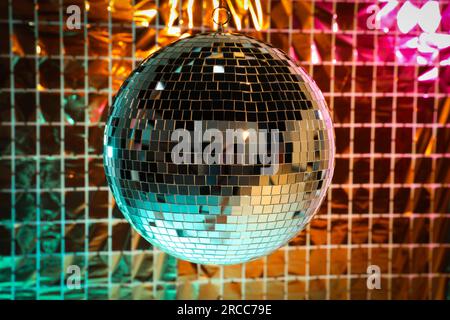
{"x":388,"y":204}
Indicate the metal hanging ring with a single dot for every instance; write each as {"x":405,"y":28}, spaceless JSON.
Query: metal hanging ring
{"x":221,"y":24}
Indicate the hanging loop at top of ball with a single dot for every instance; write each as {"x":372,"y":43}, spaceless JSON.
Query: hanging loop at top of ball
{"x":223,"y":17}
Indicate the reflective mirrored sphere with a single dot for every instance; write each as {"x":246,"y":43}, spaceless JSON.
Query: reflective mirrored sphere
{"x":218,"y":148}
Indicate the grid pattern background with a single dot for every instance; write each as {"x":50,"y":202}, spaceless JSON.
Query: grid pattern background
{"x":388,"y":204}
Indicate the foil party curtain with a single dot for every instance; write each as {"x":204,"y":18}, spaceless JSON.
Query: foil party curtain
{"x":385,"y":82}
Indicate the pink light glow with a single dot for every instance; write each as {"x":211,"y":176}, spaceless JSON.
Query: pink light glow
{"x":293,"y":54}
{"x":315,"y":57}
{"x":430,"y":17}
{"x":445,"y":62}
{"x":412,"y":43}
{"x":335,"y":27}
{"x":399,"y":56}
{"x":429,"y":47}
{"x":429,"y":75}
{"x":421,"y":61}
{"x":439,"y":40}
{"x":390,"y":5}
{"x":407,"y":17}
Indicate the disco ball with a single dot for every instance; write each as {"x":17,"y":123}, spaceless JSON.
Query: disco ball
{"x":222,"y":212}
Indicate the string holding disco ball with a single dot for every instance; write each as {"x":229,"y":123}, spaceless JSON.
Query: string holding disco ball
{"x":218,"y":148}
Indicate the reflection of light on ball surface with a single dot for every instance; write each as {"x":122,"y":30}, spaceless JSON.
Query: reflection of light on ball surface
{"x":218,"y":213}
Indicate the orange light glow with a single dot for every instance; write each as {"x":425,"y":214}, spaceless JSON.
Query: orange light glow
{"x":236,"y":18}
{"x":257,"y":16}
{"x":143,"y":17}
{"x":171,"y":30}
{"x":216,"y":3}
{"x":190,"y":13}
